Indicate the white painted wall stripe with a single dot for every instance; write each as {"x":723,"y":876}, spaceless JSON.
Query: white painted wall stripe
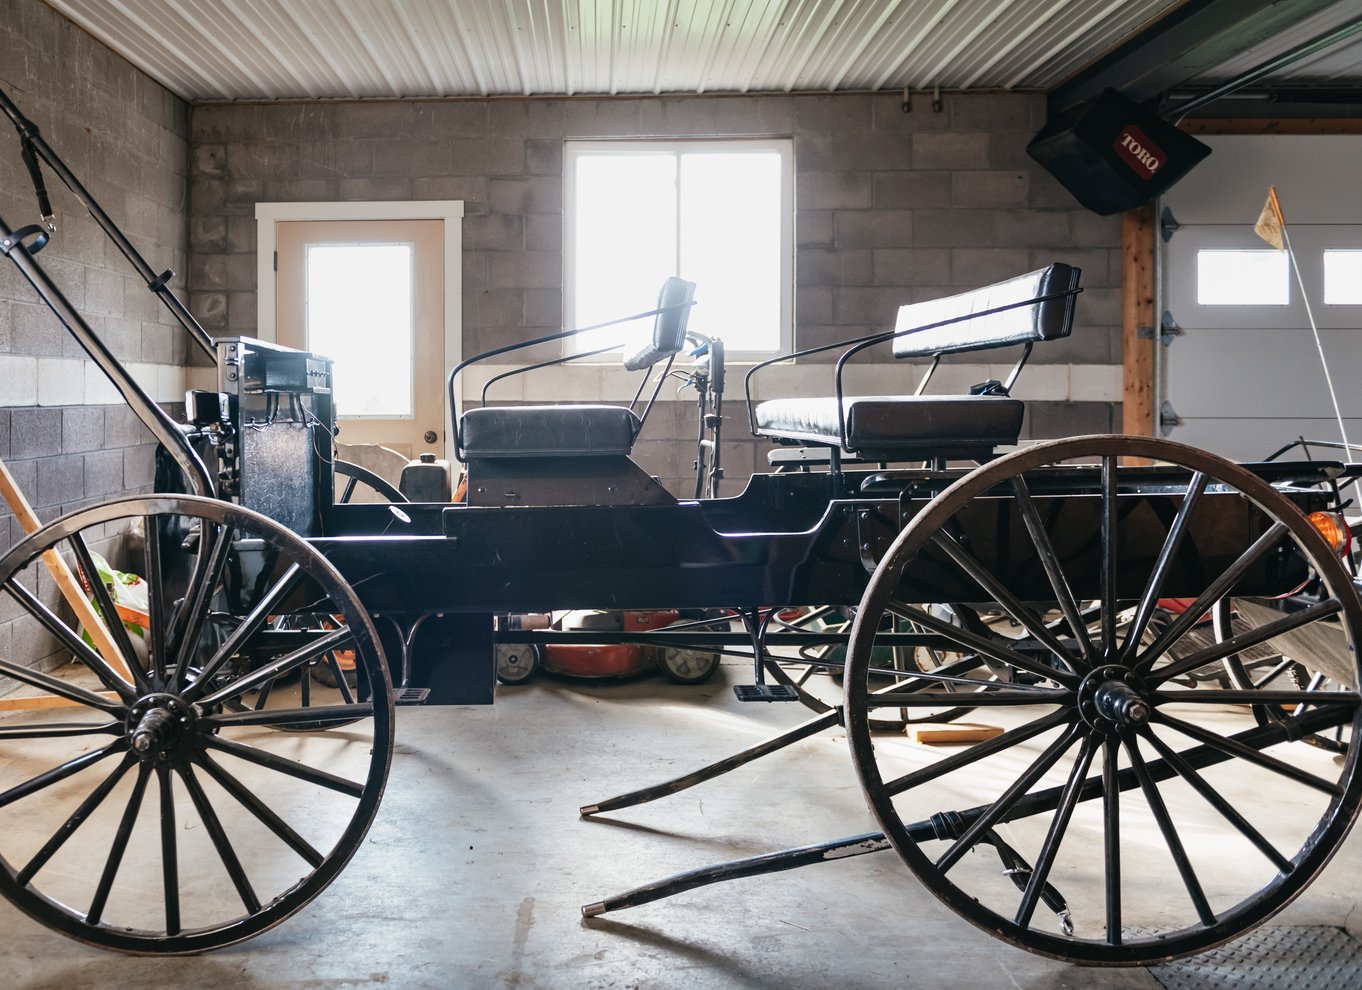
{"x":28,"y":381}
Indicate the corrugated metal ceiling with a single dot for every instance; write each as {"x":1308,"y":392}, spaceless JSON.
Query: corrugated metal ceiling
{"x":315,"y":49}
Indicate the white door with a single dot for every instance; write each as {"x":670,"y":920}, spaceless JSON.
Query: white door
{"x":1244,"y":377}
{"x":369,"y":294}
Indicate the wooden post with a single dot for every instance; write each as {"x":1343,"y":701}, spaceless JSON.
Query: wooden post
{"x":66,"y":581}
{"x":1137,"y":313}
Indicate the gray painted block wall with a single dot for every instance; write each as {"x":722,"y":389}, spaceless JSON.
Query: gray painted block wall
{"x":127,"y":139}
{"x":891,"y":208}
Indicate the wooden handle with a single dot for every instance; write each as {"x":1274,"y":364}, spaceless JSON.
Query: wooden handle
{"x":66,"y":580}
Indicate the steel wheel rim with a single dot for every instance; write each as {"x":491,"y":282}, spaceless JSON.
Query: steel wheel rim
{"x":194,"y":748}
{"x":1269,"y":898}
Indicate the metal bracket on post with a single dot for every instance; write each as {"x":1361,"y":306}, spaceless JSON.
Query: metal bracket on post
{"x":1168,"y":225}
{"x":1168,"y":330}
{"x":1168,"y":418}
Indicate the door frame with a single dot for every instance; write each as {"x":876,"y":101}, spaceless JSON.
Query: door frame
{"x":450,"y":211}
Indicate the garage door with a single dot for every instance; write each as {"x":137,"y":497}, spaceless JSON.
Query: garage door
{"x":1244,"y":376}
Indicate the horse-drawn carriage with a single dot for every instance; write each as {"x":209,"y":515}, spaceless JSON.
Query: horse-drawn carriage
{"x":1035,"y":588}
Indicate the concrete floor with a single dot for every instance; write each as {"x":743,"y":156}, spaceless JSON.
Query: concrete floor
{"x":476,"y":868}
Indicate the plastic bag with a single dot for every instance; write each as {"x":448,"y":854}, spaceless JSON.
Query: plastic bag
{"x":129,"y":594}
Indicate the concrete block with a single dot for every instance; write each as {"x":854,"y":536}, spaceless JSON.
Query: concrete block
{"x":543,"y":307}
{"x":953,"y":228}
{"x":432,"y":157}
{"x":210,"y":309}
{"x":1034,"y":228}
{"x":878,"y":228}
{"x":525,"y":270}
{"x":911,"y":266}
{"x":241,"y":235}
{"x":103,"y":473}
{"x":1046,"y":193}
{"x":1007,"y":150}
{"x":543,"y":232}
{"x":495,"y":307}
{"x":391,"y":121}
{"x":814,"y":228}
{"x":471,"y":189}
{"x":832,"y":113}
{"x":541,"y":194}
{"x":544,"y":156}
{"x":227,"y":122}
{"x":242,"y":315}
{"x":1051,"y":420}
{"x":874,"y":308}
{"x":970,"y":189}
{"x":1087,"y":344}
{"x":815,"y":152}
{"x":528,"y":118}
{"x":391,"y":187}
{"x":1088,"y":229}
{"x":156,"y":344}
{"x":35,"y":432}
{"x":122,"y":428}
{"x":814,"y":304}
{"x":818,"y":266}
{"x":462,"y":118}
{"x":208,"y":235}
{"x":4,"y":437}
{"x":973,"y":267}
{"x":995,"y":111}
{"x":602,"y":118}
{"x":1099,"y":306}
{"x":290,"y":189}
{"x":833,"y":190}
{"x":60,"y":382}
{"x":61,"y":478}
{"x":35,"y":331}
{"x":493,"y":232}
{"x":894,"y":190}
{"x":950,"y":150}
{"x":887,"y":113}
{"x":139,"y":467}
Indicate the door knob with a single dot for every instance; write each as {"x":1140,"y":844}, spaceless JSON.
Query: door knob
{"x":430,"y":436}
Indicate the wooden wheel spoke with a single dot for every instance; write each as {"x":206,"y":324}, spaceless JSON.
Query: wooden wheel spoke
{"x":104,"y":606}
{"x":170,"y":859}
{"x":156,"y":604}
{"x":56,"y":730}
{"x":299,"y":771}
{"x":1170,"y":834}
{"x":1111,"y":838}
{"x":1040,"y":872}
{"x":68,"y":769}
{"x":981,"y":644}
{"x":1216,"y":800}
{"x":1167,"y":553}
{"x":280,"y":717}
{"x":187,"y":625}
{"x":68,"y":828}
{"x":1015,"y":791}
{"x":342,"y":685}
{"x":1245,"y":640}
{"x":1031,"y":622}
{"x":221,"y":842}
{"x":1267,"y":696}
{"x":69,"y":639}
{"x":267,"y":817}
{"x":249,"y":626}
{"x":976,"y":752}
{"x":1107,"y":579}
{"x":1233,"y":747}
{"x":268,"y":672}
{"x":1218,"y":589}
{"x":1049,"y":559}
{"x":988,"y":694}
{"x":119,"y":847}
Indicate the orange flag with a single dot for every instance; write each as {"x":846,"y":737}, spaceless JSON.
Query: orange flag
{"x":1271,"y":225}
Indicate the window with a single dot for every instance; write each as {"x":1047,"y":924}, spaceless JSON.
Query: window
{"x":719,"y":213}
{"x":1342,"y":278}
{"x":1242,"y":278}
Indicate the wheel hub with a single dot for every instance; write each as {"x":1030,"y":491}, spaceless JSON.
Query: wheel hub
{"x":1113,"y":699}
{"x":159,"y":727}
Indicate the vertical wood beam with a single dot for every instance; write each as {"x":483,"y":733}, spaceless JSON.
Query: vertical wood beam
{"x":1137,"y":311}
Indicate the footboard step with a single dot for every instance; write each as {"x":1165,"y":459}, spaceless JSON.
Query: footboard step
{"x":410,"y":696}
{"x":765,"y":692}
{"x":948,"y":733}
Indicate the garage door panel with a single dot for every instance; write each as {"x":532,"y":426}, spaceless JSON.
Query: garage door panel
{"x":1254,"y":438}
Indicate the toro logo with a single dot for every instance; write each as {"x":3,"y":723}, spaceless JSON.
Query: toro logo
{"x":1140,"y":153}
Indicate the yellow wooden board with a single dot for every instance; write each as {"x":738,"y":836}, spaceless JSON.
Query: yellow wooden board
{"x":952,"y":733}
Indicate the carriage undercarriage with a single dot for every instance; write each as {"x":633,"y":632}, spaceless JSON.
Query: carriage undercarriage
{"x":1059,"y":592}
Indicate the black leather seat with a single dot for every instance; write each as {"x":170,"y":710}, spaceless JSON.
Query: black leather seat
{"x":892,"y":424}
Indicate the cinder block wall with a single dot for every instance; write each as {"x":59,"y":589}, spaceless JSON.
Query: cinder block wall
{"x":891,"y":208}
{"x":64,"y":434}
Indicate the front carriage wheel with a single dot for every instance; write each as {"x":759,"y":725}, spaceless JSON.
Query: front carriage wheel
{"x":165,"y":814}
{"x":1130,"y":811}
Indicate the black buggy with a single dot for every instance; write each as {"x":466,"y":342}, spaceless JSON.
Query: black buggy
{"x":1066,"y":592}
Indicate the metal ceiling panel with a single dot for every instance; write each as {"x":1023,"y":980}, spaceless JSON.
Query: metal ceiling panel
{"x":318,"y":49}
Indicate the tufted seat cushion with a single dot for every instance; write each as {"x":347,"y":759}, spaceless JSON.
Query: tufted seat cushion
{"x":895,"y":422}
{"x":548,"y":431}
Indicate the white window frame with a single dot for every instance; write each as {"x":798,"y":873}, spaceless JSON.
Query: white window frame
{"x":784,"y":147}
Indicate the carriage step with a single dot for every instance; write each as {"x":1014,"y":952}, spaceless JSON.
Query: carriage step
{"x":765,"y":692}
{"x":410,"y":696}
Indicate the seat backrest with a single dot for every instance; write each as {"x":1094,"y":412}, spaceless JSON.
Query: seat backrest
{"x":1049,"y":319}
{"x":669,"y":325}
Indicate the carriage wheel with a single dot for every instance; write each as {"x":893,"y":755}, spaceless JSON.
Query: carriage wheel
{"x":1121,"y":817}
{"x":815,"y":672}
{"x":195,"y":825}
{"x":376,"y":484}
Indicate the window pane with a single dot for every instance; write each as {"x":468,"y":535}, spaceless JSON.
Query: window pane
{"x":359,"y":314}
{"x":625,"y":239}
{"x":1242,"y":278}
{"x":730,"y":245}
{"x":1343,"y":278}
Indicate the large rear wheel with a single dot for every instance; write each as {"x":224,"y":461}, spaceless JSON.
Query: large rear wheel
{"x":1130,"y":811}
